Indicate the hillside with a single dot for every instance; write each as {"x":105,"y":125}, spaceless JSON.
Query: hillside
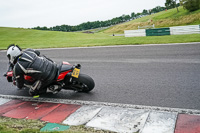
{"x":162,"y":19}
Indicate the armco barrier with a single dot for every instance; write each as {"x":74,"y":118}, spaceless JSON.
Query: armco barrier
{"x":177,"y":30}
{"x":132,"y":33}
{"x":190,"y":29}
{"x":158,"y":32}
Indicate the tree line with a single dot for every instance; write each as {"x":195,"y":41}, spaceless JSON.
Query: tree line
{"x":124,"y":18}
{"x":99,"y":24}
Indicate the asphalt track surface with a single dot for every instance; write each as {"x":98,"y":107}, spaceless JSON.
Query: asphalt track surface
{"x":166,"y":75}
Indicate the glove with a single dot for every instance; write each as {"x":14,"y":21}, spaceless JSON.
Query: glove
{"x":9,"y":79}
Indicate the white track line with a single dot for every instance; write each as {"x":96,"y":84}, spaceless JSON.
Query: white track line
{"x":116,"y":46}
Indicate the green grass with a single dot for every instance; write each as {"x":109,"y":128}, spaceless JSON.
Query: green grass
{"x":28,"y":38}
{"x":43,"y":39}
{"x":10,"y":125}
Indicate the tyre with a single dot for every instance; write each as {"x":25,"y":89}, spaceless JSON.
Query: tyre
{"x":85,"y":83}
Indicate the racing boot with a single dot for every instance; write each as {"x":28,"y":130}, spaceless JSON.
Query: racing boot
{"x":53,"y":89}
{"x":34,"y":89}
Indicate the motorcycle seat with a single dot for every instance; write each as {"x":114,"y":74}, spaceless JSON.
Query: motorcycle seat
{"x":65,"y":68}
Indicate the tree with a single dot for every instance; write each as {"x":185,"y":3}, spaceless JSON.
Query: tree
{"x":190,"y":5}
{"x":138,"y":15}
{"x":145,"y":12}
{"x":177,"y":5}
{"x":132,"y":15}
{"x":171,"y":4}
{"x":125,"y":18}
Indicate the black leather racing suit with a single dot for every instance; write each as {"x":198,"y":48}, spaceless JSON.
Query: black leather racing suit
{"x":40,"y":68}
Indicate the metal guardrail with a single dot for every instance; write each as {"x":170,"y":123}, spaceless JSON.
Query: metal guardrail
{"x":158,"y":32}
{"x":131,"y":33}
{"x":176,"y":30}
{"x":190,"y":29}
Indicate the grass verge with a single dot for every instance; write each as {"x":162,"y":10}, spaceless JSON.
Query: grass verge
{"x":10,"y":125}
{"x":28,"y":38}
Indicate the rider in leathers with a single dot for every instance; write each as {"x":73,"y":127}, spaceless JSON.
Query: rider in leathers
{"x":29,"y":62}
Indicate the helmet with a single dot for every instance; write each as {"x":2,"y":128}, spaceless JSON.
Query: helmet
{"x":13,"y":52}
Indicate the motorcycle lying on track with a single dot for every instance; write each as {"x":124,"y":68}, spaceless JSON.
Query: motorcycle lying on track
{"x":69,"y":78}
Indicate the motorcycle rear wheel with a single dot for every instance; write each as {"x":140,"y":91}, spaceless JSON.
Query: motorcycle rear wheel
{"x":84,"y":83}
